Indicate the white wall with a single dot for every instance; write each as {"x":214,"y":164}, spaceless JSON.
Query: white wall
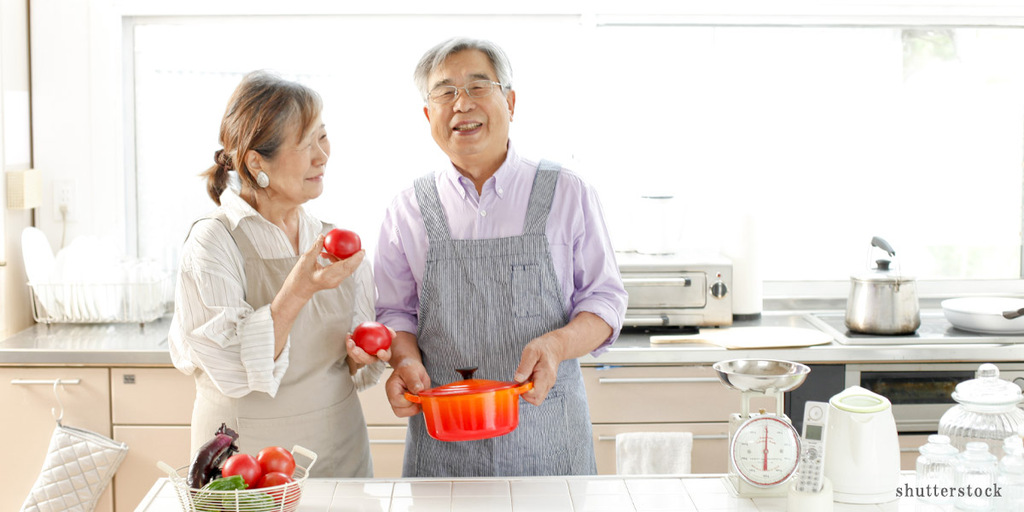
{"x":15,"y":155}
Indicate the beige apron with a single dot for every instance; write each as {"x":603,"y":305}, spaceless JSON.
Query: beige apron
{"x":316,"y":405}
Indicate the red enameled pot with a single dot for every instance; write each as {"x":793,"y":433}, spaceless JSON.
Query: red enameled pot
{"x":471,"y":409}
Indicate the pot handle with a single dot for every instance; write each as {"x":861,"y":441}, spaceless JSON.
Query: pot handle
{"x":413,"y":398}
{"x":523,"y":388}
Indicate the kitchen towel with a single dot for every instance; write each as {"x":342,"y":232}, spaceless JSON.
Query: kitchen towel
{"x":653,"y":453}
{"x":78,"y":467}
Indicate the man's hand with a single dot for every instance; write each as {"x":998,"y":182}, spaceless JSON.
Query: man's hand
{"x":539,"y":363}
{"x":410,"y":375}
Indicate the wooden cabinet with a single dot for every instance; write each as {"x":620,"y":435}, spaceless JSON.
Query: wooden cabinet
{"x":27,"y":396}
{"x":909,"y":450}
{"x":151,"y":410}
{"x":387,"y":431}
{"x":663,"y":399}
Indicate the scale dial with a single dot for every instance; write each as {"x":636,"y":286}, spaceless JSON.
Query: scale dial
{"x":765,"y":450}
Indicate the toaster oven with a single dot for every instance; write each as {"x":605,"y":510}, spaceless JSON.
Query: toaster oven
{"x":677,"y":290}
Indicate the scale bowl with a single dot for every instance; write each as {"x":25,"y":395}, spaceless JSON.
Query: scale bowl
{"x":761,"y":375}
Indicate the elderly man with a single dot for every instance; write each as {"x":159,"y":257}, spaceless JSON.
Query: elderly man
{"x":497,"y":262}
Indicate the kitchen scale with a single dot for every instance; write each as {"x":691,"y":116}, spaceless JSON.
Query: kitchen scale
{"x":764,"y":447}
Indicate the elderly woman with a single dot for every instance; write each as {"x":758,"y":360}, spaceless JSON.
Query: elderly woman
{"x":516,"y":271}
{"x":259,"y":321}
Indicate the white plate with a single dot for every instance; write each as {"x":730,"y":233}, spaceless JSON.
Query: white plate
{"x":984,"y":314}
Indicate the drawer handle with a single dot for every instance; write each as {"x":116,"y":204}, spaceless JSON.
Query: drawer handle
{"x":48,"y":382}
{"x":387,"y":441}
{"x":648,"y":321}
{"x":908,"y":450}
{"x":655,"y":380}
{"x":657,"y":281}
{"x":696,"y":437}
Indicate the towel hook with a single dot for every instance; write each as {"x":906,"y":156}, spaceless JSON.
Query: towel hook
{"x":56,"y":394}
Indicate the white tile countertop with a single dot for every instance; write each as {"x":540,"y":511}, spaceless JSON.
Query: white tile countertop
{"x":685,"y":493}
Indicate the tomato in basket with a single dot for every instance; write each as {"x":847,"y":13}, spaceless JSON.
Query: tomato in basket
{"x":244,"y":465}
{"x":276,"y":459}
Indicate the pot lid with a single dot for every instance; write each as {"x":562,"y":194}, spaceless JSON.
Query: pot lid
{"x":987,"y":388}
{"x":882,"y":274}
{"x":468,"y":385}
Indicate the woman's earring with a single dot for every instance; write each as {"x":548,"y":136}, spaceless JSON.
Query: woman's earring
{"x":262,"y":179}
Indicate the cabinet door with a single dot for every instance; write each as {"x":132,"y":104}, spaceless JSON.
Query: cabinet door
{"x":151,"y":396}
{"x":27,"y":396}
{"x":661,"y":394}
{"x":387,"y":447}
{"x":146,"y":446}
{"x":710,"y":444}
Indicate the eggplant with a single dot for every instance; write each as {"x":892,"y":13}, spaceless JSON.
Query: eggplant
{"x":207,"y":460}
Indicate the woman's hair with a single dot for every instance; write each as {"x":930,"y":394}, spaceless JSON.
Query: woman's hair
{"x":438,"y":54}
{"x":257,"y":118}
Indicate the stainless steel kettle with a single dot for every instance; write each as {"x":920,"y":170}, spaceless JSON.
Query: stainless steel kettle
{"x":882,"y":300}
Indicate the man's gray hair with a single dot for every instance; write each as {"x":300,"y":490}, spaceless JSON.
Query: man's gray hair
{"x":438,"y":54}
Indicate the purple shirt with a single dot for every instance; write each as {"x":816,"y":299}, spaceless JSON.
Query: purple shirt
{"x":580,"y":247}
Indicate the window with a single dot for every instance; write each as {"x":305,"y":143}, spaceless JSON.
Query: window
{"x":827,"y":134}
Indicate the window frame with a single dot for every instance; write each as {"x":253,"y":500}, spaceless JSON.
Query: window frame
{"x":777,"y":294}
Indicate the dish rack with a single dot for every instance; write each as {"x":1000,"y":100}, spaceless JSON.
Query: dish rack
{"x":279,"y":498}
{"x":88,"y":303}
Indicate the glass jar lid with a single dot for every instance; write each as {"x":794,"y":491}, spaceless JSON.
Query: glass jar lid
{"x":987,"y":389}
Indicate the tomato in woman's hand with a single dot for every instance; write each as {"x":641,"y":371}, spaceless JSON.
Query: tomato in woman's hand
{"x":274,"y":478}
{"x":276,"y":459}
{"x":244,"y":465}
{"x":342,"y":243}
{"x":371,"y":337}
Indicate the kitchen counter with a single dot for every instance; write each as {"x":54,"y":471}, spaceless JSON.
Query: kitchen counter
{"x":681,"y":493}
{"x":89,"y":345}
{"x":146,"y":345}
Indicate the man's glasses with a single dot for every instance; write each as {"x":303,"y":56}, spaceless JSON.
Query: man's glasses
{"x":443,"y":94}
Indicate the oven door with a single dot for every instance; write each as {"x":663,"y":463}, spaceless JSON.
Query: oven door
{"x":921,"y":393}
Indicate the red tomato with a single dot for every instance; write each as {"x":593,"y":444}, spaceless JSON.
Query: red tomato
{"x":371,"y":337}
{"x":274,"y":459}
{"x":245,"y":465}
{"x":274,"y":478}
{"x":342,"y":243}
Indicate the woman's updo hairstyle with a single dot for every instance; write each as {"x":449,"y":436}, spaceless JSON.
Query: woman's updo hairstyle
{"x":257,"y":118}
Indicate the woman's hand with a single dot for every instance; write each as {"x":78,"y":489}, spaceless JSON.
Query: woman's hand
{"x":308,"y":276}
{"x":358,"y":357}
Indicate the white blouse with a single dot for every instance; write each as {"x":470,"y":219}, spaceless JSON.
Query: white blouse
{"x":211,"y":318}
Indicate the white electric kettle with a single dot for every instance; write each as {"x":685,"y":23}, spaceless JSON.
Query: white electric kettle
{"x":862,"y":452}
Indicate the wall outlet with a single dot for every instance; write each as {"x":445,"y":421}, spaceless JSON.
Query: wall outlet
{"x":63,"y":195}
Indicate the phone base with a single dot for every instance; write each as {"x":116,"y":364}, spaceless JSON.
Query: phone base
{"x":821,"y":501}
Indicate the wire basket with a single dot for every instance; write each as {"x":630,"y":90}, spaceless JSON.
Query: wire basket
{"x":279,"y":498}
{"x":88,"y":303}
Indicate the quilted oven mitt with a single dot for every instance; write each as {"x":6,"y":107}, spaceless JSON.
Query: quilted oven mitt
{"x":78,"y":467}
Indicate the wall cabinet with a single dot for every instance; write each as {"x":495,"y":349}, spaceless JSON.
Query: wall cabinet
{"x":663,"y":399}
{"x":27,"y":396}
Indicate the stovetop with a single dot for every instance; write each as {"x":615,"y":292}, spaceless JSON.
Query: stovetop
{"x":934,"y":329}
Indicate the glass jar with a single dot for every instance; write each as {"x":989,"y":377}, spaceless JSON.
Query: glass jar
{"x":936,"y":468}
{"x":1011,"y":476}
{"x":975,"y":478}
{"x":986,"y":411}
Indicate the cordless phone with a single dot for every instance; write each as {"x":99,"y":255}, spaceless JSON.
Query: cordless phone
{"x":812,"y":459}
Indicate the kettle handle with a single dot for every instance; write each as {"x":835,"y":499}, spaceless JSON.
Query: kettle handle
{"x":877,"y":241}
